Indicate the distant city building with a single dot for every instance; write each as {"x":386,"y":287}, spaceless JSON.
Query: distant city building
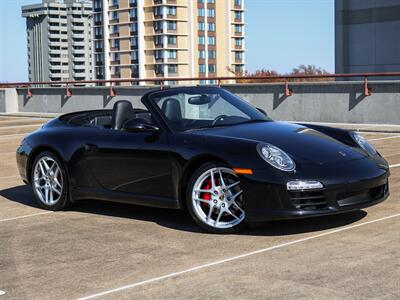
{"x":168,"y":38}
{"x":59,"y":40}
{"x":367,"y":36}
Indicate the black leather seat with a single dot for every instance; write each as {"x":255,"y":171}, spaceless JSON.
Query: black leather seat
{"x":122,"y":112}
{"x":172,"y":109}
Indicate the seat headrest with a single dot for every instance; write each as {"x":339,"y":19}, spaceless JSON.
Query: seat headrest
{"x":172,"y":109}
{"x":122,"y":111}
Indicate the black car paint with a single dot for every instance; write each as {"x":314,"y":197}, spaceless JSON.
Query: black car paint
{"x":152,"y":168}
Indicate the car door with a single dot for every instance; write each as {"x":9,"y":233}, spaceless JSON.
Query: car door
{"x":130,"y":162}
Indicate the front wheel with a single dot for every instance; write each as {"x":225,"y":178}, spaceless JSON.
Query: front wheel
{"x":50,"y":182}
{"x":215,"y":200}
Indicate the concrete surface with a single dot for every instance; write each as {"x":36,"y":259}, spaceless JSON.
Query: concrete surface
{"x":342,"y":102}
{"x":100,"y":247}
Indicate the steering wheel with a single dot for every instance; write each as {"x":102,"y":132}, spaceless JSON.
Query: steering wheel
{"x":219,"y":118}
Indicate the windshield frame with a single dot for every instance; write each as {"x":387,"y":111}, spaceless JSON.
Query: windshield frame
{"x":244,"y":106}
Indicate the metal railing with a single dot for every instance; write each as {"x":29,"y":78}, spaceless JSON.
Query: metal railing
{"x":285,"y":79}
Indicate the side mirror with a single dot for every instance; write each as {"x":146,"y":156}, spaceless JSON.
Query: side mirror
{"x":262,"y":111}
{"x":139,"y":125}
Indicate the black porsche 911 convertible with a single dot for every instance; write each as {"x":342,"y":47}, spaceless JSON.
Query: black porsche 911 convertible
{"x":205,"y":150}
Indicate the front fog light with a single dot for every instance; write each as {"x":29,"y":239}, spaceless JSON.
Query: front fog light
{"x":303,"y":185}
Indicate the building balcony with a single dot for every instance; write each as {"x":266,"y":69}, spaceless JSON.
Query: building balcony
{"x":80,"y":43}
{"x":55,"y":44}
{"x":78,"y":51}
{"x":78,"y":35}
{"x":79,"y":67}
{"x":55,"y":51}
{"x":79,"y":59}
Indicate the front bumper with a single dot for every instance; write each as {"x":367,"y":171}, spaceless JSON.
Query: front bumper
{"x":266,"y":201}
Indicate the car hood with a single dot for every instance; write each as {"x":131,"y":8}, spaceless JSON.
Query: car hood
{"x":298,"y":141}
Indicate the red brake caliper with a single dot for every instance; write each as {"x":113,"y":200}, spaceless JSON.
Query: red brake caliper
{"x":207,"y":186}
{"x":206,"y":196}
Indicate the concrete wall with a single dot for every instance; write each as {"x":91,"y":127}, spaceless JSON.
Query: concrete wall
{"x":319,"y":102}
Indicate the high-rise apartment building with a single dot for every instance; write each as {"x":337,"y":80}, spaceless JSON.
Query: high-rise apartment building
{"x":168,"y":38}
{"x":366,"y":36}
{"x":59,"y":40}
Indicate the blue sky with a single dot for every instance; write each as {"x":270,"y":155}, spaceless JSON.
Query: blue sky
{"x":280,"y":35}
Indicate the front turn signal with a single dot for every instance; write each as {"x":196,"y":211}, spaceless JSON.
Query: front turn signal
{"x":243,"y":171}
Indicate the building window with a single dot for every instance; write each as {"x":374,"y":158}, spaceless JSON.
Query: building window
{"x":211,"y":54}
{"x":98,"y":32}
{"x":132,"y":12}
{"x":200,"y":1}
{"x":211,"y":40}
{"x":239,"y":68}
{"x":201,"y":12}
{"x":211,"y":12}
{"x":238,"y":55}
{"x":201,"y":26}
{"x":114,"y":2}
{"x":171,"y":39}
{"x":117,"y":70}
{"x":135,"y":71}
{"x":172,"y":68}
{"x":158,"y":54}
{"x":172,"y":54}
{"x":134,"y":27}
{"x":98,"y":45}
{"x":158,"y":40}
{"x":238,"y":15}
{"x":115,"y":29}
{"x":158,"y":11}
{"x":202,"y":54}
{"x":134,"y":41}
{"x":202,"y":40}
{"x":159,"y":69}
{"x":134,"y":55}
{"x":158,"y":25}
{"x":115,"y":43}
{"x":171,"y":10}
{"x":202,"y":68}
{"x":171,"y":25}
{"x":238,"y":28}
{"x":114,"y":15}
{"x":211,"y":68}
{"x":210,"y":1}
{"x":238,"y":42}
{"x":115,"y":56}
{"x":211,"y":26}
{"x":238,"y":2}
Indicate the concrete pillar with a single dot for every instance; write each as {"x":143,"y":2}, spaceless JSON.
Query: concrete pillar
{"x":8,"y":100}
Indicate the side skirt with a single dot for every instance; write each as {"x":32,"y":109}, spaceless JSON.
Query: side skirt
{"x":137,"y":199}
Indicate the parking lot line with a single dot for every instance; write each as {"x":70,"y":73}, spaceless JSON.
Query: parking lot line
{"x":394,"y":166}
{"x":2,"y":293}
{"x":26,"y":216}
{"x":230,"y":259}
{"x":385,"y":138}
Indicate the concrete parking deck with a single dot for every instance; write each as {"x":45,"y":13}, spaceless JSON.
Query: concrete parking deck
{"x":109,"y":250}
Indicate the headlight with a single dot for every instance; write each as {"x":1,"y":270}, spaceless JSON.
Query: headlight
{"x":276,"y":157}
{"x":364,"y":144}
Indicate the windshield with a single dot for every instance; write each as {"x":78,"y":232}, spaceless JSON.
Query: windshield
{"x":194,"y":108}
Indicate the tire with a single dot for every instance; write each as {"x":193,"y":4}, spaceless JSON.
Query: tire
{"x":48,"y":173}
{"x":222,"y":209}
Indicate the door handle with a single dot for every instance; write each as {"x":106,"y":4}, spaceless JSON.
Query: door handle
{"x":90,"y":148}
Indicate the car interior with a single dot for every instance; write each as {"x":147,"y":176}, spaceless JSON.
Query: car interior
{"x":110,"y":119}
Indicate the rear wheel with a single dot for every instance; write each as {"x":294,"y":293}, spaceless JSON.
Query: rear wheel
{"x":214,"y":199}
{"x":49,"y":182}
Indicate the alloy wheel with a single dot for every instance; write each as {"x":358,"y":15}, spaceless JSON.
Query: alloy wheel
{"x":48,"y":180}
{"x":217,"y":198}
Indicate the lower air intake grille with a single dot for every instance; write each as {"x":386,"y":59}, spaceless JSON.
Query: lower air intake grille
{"x":308,"y":200}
